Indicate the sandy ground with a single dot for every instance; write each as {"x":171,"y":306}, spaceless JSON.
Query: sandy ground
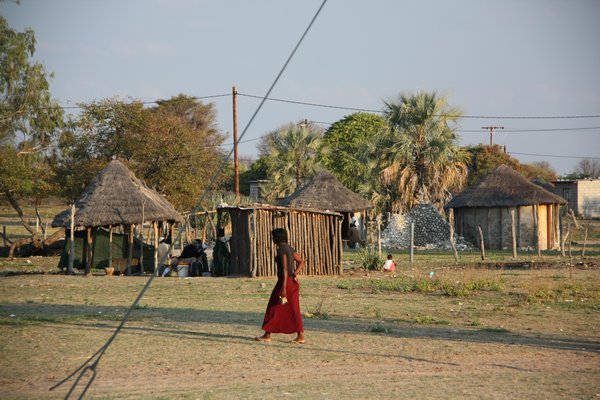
{"x":192,"y":338}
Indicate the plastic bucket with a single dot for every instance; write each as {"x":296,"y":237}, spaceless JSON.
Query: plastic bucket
{"x":183,"y":271}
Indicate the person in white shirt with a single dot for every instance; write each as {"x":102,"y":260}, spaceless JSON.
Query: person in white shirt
{"x":163,"y":256}
{"x":390,"y":265}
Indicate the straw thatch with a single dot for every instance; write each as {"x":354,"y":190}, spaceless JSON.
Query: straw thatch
{"x":115,"y":197}
{"x":325,"y":192}
{"x":506,"y":210}
{"x":504,"y":187}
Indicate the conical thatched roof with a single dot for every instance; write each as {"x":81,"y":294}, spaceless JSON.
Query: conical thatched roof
{"x":504,"y":187}
{"x":325,"y":192}
{"x":115,"y":197}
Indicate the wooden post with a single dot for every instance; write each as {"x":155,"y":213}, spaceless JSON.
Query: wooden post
{"x":452,"y":244}
{"x":253,"y":247}
{"x":212,"y":225}
{"x":171,"y":233}
{"x":489,"y":228}
{"x":89,"y":251}
{"x":110,"y":246}
{"x":235,"y":145}
{"x":412,"y":242}
{"x":155,"y":267}
{"x":188,"y":234}
{"x":562,"y":249}
{"x":204,"y":226}
{"x":570,"y":258}
{"x":142,"y":240}
{"x":536,"y":224}
{"x":130,"y":248}
{"x":181,"y":237}
{"x":481,"y":242}
{"x":585,"y":235}
{"x":513,"y":232}
{"x":72,"y":249}
{"x":379,"y":237}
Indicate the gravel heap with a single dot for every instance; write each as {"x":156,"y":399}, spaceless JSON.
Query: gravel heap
{"x":431,"y":230}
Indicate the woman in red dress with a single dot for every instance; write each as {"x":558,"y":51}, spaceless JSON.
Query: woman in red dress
{"x":283,"y":311}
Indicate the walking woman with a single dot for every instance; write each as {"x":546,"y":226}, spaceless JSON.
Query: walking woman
{"x":283,"y":311}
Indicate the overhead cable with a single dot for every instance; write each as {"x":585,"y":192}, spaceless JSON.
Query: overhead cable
{"x":553,"y":155}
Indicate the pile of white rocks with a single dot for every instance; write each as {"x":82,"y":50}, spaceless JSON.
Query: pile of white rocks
{"x":432,"y":231}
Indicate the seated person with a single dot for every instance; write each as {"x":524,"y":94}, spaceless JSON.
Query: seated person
{"x":390,"y":265}
{"x":354,"y":237}
{"x":193,"y":254}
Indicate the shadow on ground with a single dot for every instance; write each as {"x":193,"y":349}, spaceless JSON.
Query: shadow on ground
{"x":105,"y":318}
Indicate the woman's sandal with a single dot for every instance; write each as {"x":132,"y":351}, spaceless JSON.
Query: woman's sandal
{"x":298,"y":341}
{"x":262,"y":339}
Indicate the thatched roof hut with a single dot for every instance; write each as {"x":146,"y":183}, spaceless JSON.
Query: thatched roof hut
{"x":489,"y":204}
{"x":325,"y":192}
{"x":115,"y":197}
{"x":503,"y":187}
{"x":314,"y":234}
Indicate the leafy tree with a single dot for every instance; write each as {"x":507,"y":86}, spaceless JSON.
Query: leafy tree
{"x":291,"y":156}
{"x":173,"y":147}
{"x":177,"y":156}
{"x":539,"y":171}
{"x":422,"y":160}
{"x":26,"y":107}
{"x":354,"y":144}
{"x":29,"y":120}
{"x":587,"y":168}
{"x":257,"y":171}
{"x":483,"y":159}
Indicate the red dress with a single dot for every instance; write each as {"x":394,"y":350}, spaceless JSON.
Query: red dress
{"x":284,"y":318}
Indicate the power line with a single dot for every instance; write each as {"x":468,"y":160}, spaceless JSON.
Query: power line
{"x":437,"y":115}
{"x":534,"y":130}
{"x":150,"y":101}
{"x":243,"y":141}
{"x":460,"y":131}
{"x":505,"y":130}
{"x":303,"y":103}
{"x":336,"y":107}
{"x":553,"y":155}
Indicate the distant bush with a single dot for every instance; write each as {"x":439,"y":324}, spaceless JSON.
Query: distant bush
{"x":369,"y":259}
{"x":407,"y":284}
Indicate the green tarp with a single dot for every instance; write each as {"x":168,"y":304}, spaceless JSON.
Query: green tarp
{"x":100,"y":245}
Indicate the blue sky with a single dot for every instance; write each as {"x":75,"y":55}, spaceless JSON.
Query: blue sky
{"x":491,"y":58}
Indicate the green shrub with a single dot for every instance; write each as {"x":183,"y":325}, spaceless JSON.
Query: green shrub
{"x":379,"y":329}
{"x":346,"y":285}
{"x":369,"y":259}
{"x":427,"y":319}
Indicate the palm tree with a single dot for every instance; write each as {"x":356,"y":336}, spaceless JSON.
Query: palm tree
{"x":291,"y":152}
{"x":421,"y":160}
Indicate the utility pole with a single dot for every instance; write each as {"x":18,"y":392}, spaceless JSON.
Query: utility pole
{"x":492,"y":129}
{"x":236,"y":167}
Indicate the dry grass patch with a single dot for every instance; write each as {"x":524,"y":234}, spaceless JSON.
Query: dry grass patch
{"x":192,"y":338}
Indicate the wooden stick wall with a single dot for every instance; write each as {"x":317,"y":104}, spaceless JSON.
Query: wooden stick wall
{"x":317,"y":237}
